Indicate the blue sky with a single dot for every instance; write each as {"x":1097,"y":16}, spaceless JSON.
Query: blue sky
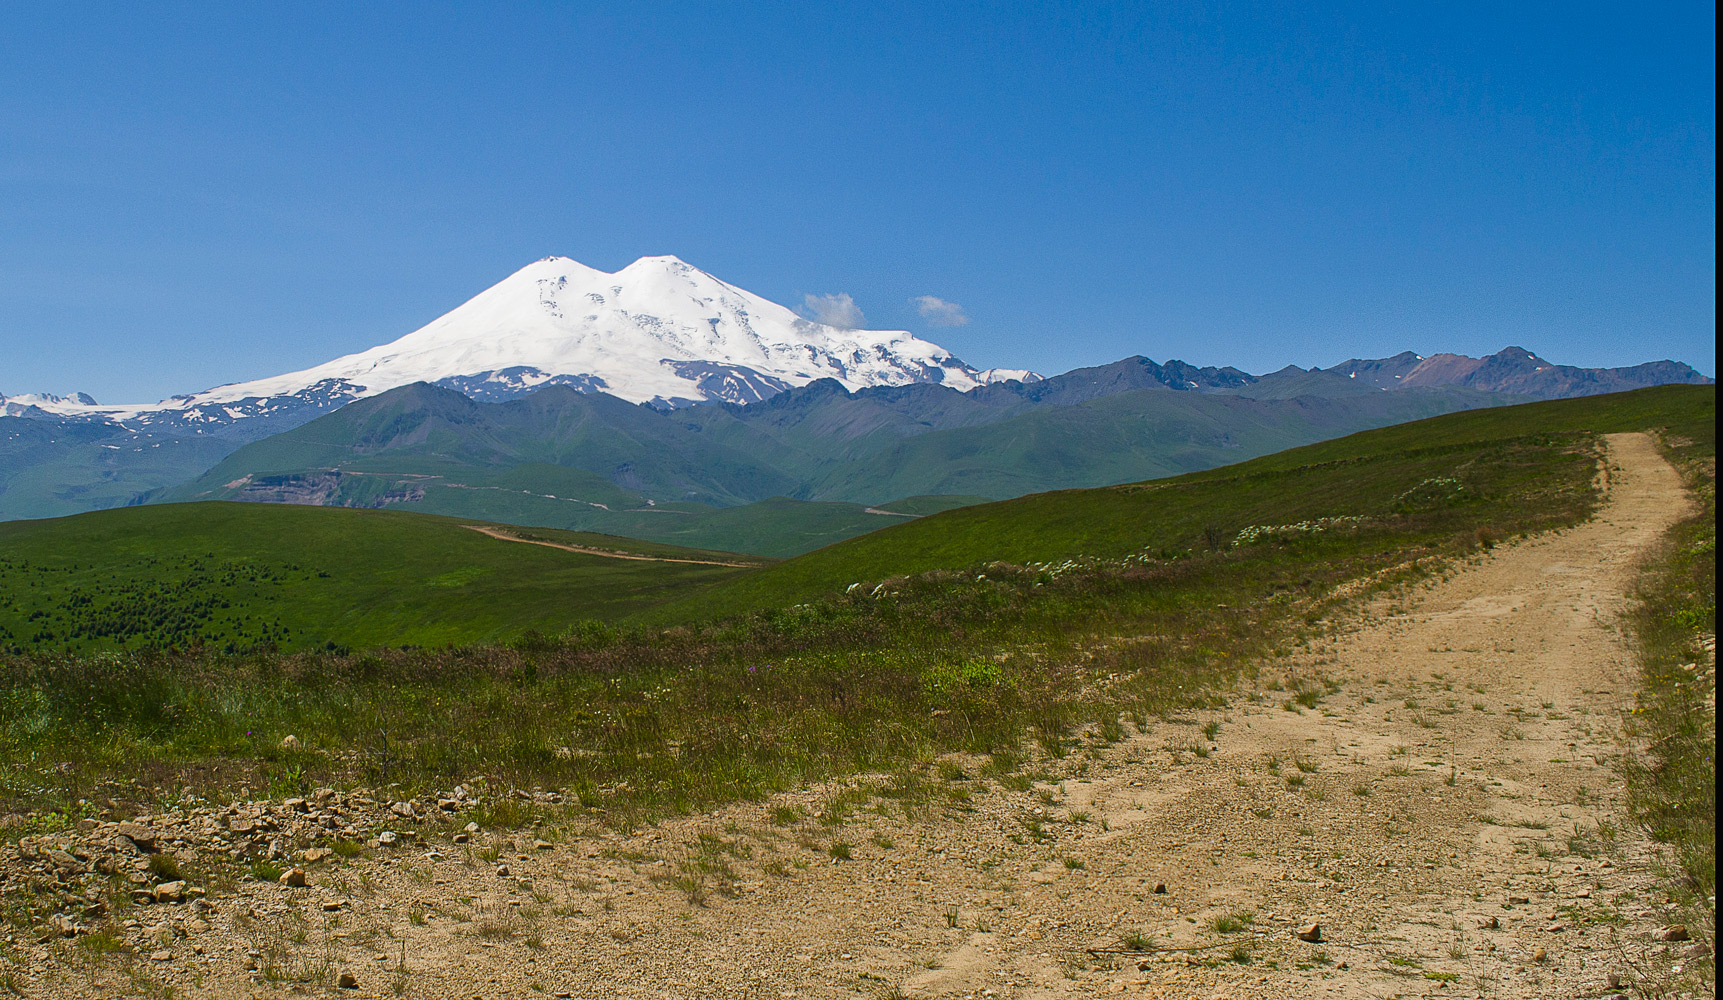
{"x":192,"y":195}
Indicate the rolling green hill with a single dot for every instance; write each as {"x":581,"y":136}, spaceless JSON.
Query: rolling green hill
{"x":243,"y":576}
{"x":1498,"y":456}
{"x":591,"y":462}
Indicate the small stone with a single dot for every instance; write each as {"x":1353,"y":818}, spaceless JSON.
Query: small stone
{"x":1160,"y":888}
{"x":315,"y":854}
{"x":161,"y":956}
{"x":138,"y":834}
{"x":388,"y":838}
{"x":347,"y":981}
{"x":402,"y":808}
{"x":1674,"y":932}
{"x":1311,"y":932}
{"x":65,"y":862}
{"x":542,"y":845}
{"x":293,"y":877}
{"x":333,"y":905}
{"x":1518,"y":900}
{"x":1541,"y":955}
{"x":290,"y":742}
{"x":1489,"y":924}
{"x":239,"y":825}
{"x":296,"y":804}
{"x":1696,"y":950}
{"x":1555,"y":928}
{"x":170,"y":892}
{"x":502,"y":871}
{"x":1612,"y":981}
{"x":143,"y":896}
{"x":461,"y":838}
{"x":471,"y":828}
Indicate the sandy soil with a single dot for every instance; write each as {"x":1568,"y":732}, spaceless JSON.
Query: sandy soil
{"x":1441,"y":807}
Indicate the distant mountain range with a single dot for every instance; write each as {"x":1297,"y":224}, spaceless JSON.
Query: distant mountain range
{"x":662,"y":385}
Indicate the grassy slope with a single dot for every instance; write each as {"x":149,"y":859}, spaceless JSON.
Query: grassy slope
{"x":554,"y":497}
{"x":674,"y":719}
{"x":1129,"y":436}
{"x":1673,"y":788}
{"x":254,"y":573}
{"x":1356,"y":475}
{"x":825,"y":446}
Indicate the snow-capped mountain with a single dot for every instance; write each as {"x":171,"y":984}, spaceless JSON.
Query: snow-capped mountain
{"x":994,"y":376}
{"x":659,"y":331}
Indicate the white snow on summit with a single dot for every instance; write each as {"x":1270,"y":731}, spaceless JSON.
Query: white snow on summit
{"x":659,"y":330}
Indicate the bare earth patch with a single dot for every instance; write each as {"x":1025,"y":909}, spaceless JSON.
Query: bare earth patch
{"x":1430,"y":784}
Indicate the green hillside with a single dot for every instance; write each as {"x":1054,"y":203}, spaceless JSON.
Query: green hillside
{"x":245,"y":576}
{"x":54,"y":467}
{"x":983,"y":659}
{"x":1499,"y":457}
{"x":560,"y":458}
{"x":553,"y":496}
{"x":1120,"y":438}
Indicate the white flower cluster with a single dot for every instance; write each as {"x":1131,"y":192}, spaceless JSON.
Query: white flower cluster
{"x":1054,"y":570}
{"x":1440,"y":487}
{"x":1260,"y":532}
{"x":1043,"y":572}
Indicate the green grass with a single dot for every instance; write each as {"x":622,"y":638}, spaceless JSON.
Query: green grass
{"x":555,"y":497}
{"x":643,"y":721}
{"x":240,"y":577}
{"x":1672,"y":783}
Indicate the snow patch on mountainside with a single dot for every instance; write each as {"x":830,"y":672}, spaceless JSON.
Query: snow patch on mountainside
{"x":994,"y":376}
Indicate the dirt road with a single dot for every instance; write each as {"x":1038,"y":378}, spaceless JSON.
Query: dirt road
{"x":1440,"y":802}
{"x":502,"y":535}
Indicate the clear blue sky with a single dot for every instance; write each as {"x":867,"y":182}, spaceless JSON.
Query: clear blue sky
{"x":197,"y":194}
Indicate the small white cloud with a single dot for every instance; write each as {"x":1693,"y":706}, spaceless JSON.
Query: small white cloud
{"x":939,"y":312}
{"x":837,"y":310}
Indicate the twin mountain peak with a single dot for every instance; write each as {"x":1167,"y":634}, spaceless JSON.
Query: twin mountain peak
{"x":667,"y":334}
